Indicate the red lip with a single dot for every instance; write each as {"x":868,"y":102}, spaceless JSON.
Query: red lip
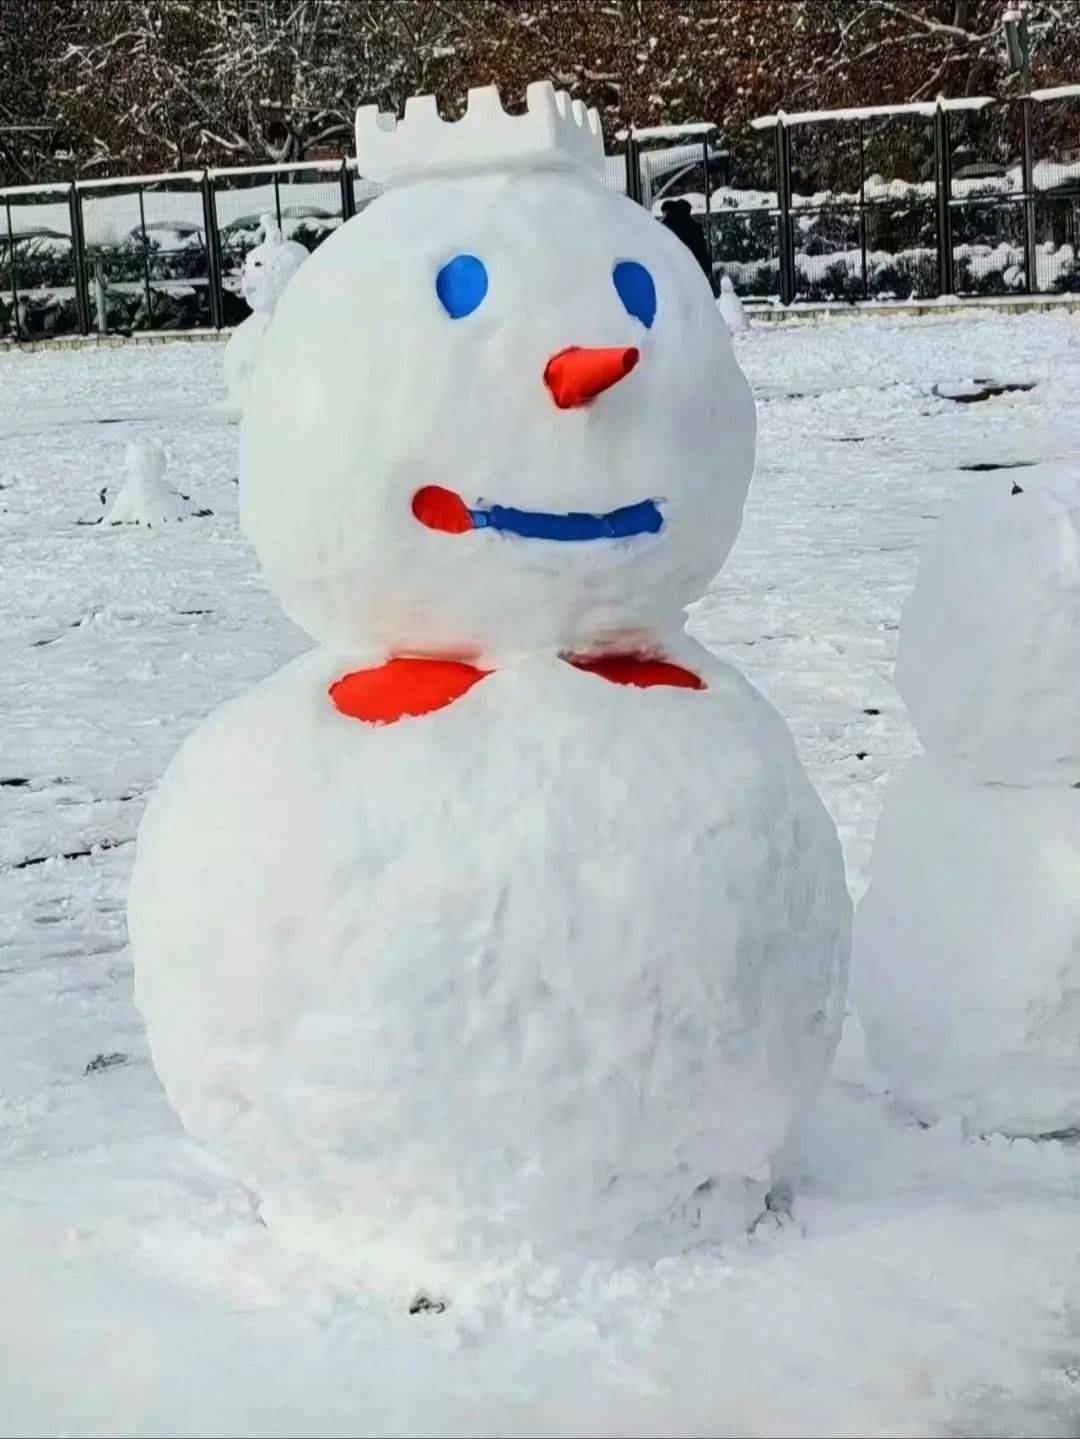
{"x":441,"y":509}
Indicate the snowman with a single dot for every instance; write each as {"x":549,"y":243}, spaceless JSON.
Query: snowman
{"x":268,"y":268}
{"x":506,"y":922}
{"x":968,"y":940}
{"x":146,"y":497}
{"x":731,"y":307}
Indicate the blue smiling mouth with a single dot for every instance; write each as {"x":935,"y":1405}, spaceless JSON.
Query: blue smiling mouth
{"x":643,"y":518}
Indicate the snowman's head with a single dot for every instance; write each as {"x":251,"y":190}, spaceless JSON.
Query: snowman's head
{"x":989,"y":648}
{"x":269,"y":267}
{"x":497,"y":411}
{"x":145,"y":460}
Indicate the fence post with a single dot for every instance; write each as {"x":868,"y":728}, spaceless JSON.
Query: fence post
{"x":633,"y":169}
{"x":213,"y":253}
{"x":14,"y":269}
{"x":862,"y":208}
{"x":783,"y":197}
{"x":943,"y":186}
{"x":708,"y":210}
{"x":78,"y":261}
{"x":348,"y":209}
{"x":1031,"y":264}
{"x":145,"y":263}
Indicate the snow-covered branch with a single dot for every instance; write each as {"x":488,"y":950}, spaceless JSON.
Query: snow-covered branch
{"x":150,"y":84}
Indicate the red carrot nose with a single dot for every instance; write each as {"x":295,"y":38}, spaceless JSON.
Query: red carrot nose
{"x":576,"y":375}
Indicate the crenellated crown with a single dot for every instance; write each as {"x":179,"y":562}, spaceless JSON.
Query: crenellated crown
{"x":554,"y":131}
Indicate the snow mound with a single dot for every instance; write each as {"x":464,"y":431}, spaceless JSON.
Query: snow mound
{"x":145,"y":498}
{"x":731,"y":307}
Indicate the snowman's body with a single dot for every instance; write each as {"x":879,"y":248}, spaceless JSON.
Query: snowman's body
{"x":268,"y":268}
{"x":537,"y":966}
{"x":968,"y":940}
{"x":555,"y":960}
{"x":241,"y":353}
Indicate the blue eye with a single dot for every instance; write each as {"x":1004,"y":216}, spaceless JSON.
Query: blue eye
{"x":636,"y":290}
{"x":461,"y":285}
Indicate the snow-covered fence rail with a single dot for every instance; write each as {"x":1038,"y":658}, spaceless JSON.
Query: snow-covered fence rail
{"x":155,"y":252}
{"x":966,"y":196}
{"x":158,"y":252}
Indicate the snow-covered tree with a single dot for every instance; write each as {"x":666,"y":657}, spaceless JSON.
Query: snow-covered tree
{"x":31,"y":128}
{"x":141,"y":85}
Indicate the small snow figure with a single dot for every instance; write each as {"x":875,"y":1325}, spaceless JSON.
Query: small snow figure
{"x":731,"y":307}
{"x":145,"y":498}
{"x":968,"y":940}
{"x":268,"y":268}
{"x":507,"y":921}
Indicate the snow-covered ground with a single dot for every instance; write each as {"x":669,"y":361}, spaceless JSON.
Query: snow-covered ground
{"x":925,"y":1283}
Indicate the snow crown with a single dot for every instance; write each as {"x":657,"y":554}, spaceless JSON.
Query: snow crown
{"x":554,"y":131}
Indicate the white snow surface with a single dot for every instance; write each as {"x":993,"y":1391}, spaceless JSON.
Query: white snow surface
{"x":926,"y":1283}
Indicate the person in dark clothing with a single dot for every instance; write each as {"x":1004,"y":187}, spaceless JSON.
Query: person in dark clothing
{"x":679,"y":219}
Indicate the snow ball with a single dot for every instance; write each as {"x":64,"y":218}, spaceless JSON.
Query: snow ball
{"x":989,"y":646}
{"x":967,"y":951}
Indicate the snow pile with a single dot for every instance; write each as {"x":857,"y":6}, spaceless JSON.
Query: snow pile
{"x":145,"y":498}
{"x":555,"y":967}
{"x":968,"y":940}
{"x":268,"y":268}
{"x":731,"y":307}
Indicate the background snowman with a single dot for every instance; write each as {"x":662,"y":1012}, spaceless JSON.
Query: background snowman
{"x":506,"y":921}
{"x":268,"y":268}
{"x":968,"y":940}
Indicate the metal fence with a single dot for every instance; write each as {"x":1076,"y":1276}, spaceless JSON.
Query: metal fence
{"x":962,"y":197}
{"x":155,"y":252}
{"x":959,"y":197}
